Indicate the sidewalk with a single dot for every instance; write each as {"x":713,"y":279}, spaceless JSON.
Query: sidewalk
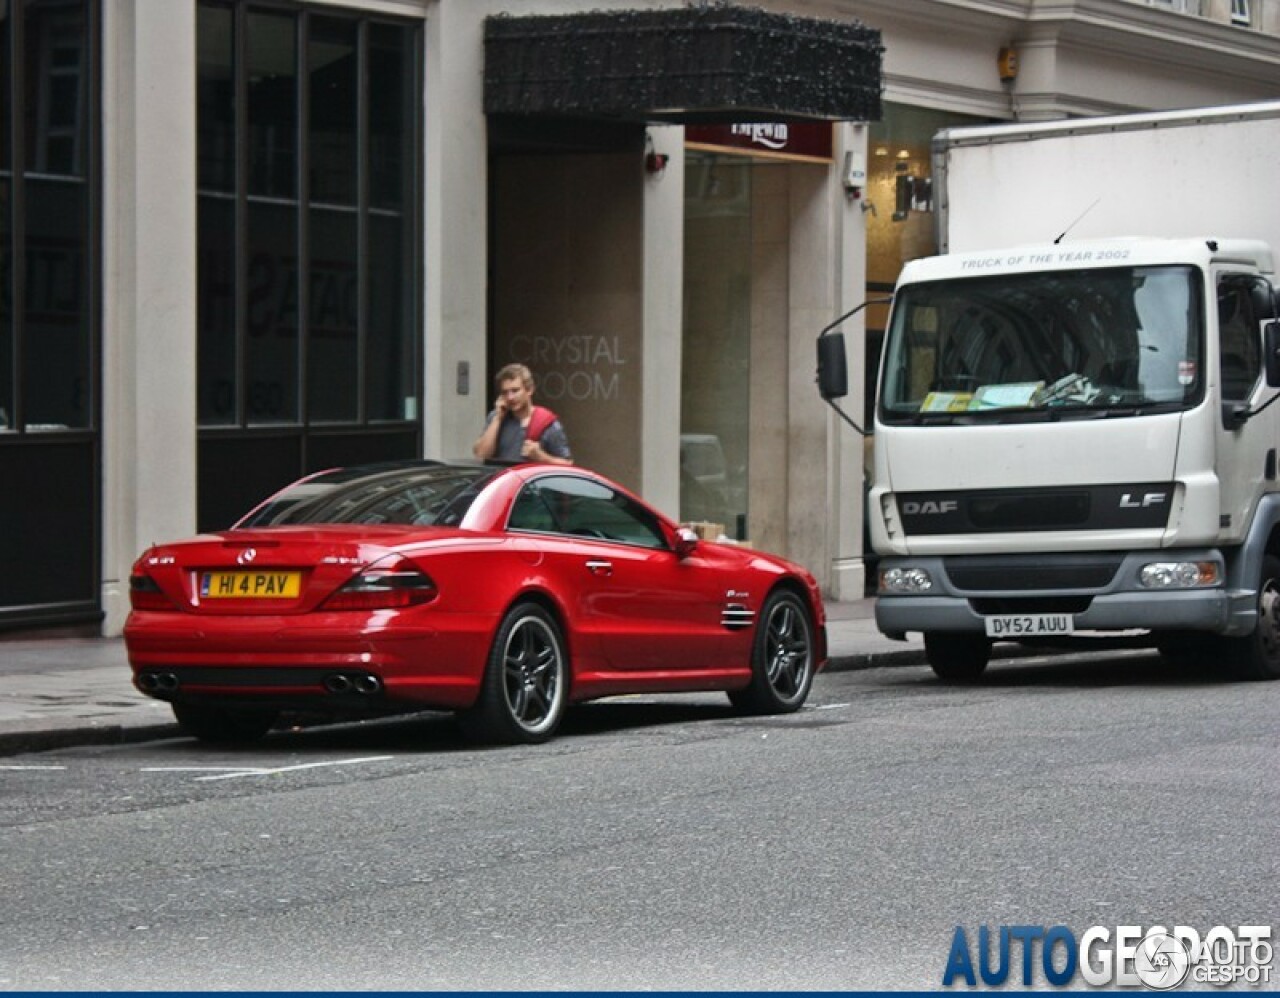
{"x":57,"y":691}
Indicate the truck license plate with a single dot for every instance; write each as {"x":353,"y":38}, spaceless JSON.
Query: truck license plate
{"x":1028,"y":625}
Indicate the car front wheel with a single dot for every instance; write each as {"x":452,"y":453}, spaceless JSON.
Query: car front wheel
{"x":525,"y":685}
{"x":782,"y":658}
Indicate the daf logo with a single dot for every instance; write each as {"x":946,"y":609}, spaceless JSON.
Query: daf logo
{"x":246,"y":556}
{"x":1127,"y":501}
{"x":930,"y":507}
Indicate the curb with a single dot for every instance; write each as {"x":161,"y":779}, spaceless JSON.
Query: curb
{"x":46,"y":738}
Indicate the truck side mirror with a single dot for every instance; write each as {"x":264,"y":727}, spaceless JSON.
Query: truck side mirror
{"x":1271,"y":353}
{"x":833,"y":369}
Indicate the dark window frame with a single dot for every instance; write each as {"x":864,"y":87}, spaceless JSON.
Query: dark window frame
{"x":50,"y":452}
{"x":301,"y":425}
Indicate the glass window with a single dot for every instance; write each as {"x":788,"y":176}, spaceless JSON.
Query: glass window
{"x":5,"y":100}
{"x":309,"y":314}
{"x":390,"y":101}
{"x":8,"y":413}
{"x":715,"y":396}
{"x":1244,"y":305}
{"x":334,"y":355}
{"x":334,"y":103}
{"x":308,"y":261}
{"x":55,"y":368}
{"x":46,"y":317}
{"x":215,"y":100}
{"x":1056,"y":344}
{"x":583,"y":508}
{"x":420,"y":495}
{"x":215,"y":233}
{"x":271,"y":51}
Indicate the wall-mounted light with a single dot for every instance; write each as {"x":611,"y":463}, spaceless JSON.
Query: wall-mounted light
{"x":1007,"y":63}
{"x":654,"y":161}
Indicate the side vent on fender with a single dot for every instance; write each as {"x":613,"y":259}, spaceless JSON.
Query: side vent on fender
{"x":736,"y":616}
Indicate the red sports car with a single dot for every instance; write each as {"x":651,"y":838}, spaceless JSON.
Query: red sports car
{"x":501,"y":593}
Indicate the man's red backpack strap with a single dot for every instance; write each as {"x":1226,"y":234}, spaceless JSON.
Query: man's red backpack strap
{"x":540,"y":420}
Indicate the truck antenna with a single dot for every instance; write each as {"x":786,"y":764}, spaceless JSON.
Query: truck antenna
{"x":1064,"y":232}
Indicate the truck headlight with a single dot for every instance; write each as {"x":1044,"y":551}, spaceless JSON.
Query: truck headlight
{"x":1178,"y":574}
{"x":905,"y":580}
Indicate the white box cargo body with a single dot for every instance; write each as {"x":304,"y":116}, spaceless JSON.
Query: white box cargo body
{"x":1201,"y":173}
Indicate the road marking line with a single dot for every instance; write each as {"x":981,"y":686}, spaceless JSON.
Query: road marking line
{"x":294,"y":769}
{"x":32,"y":767}
{"x":199,"y":769}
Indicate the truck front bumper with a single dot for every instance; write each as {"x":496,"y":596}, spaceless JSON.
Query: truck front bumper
{"x":1008,"y":585}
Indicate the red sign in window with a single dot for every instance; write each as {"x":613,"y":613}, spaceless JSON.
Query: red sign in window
{"x":810,"y":141}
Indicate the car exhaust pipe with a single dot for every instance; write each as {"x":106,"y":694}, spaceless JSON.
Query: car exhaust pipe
{"x":157,"y":682}
{"x":147,"y":682}
{"x":337,"y":683}
{"x":367,"y":684}
{"x":167,"y":681}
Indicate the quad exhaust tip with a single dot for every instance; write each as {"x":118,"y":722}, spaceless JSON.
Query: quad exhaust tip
{"x":361,"y":683}
{"x":157,"y":682}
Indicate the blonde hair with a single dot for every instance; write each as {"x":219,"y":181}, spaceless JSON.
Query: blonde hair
{"x":514,"y":371}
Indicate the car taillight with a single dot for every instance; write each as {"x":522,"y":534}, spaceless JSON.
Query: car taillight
{"x":145,"y":594}
{"x":384,"y":587}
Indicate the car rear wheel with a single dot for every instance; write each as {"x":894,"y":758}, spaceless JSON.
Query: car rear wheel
{"x":224,"y":725}
{"x":957,"y":658}
{"x":782,"y":658}
{"x":525,"y":685}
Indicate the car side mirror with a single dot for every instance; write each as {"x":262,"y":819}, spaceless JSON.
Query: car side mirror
{"x":686,"y":542}
{"x":833,"y":368}
{"x":1271,"y":353}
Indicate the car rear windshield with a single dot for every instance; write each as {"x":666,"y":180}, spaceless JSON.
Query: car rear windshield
{"x":419,"y":496}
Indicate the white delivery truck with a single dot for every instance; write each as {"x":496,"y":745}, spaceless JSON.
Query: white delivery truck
{"x":1074,"y":436}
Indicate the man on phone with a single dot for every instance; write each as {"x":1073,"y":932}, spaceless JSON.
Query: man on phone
{"x":518,"y":430}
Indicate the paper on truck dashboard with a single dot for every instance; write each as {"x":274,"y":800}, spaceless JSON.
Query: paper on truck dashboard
{"x":946,"y":402}
{"x":1022,"y":393}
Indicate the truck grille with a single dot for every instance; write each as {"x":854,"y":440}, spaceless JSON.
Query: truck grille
{"x":1016,"y":574}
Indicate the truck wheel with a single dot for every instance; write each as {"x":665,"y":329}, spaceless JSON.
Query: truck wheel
{"x":1185,"y":649}
{"x":957,"y":658}
{"x":1258,"y":655}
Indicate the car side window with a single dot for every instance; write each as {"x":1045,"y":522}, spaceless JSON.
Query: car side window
{"x":1244,"y":304}
{"x":531,"y":512}
{"x":579,"y":507}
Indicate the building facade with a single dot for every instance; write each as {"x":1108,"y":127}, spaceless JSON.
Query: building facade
{"x":246,"y":239}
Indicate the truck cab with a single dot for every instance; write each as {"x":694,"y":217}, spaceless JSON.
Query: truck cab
{"x":1075,"y":440}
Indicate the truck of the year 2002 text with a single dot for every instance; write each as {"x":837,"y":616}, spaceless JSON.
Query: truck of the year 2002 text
{"x":1074,"y":437}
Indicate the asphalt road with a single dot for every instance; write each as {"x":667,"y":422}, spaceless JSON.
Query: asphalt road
{"x":658,"y":843}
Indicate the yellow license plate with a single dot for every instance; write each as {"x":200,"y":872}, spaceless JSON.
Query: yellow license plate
{"x":250,"y":585}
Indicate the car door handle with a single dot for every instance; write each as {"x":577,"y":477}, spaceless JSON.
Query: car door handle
{"x":603,"y":568}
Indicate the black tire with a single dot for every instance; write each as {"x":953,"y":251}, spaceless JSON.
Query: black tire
{"x":1187,"y":649}
{"x":1257,"y":656}
{"x":782,"y":658}
{"x":526,"y":681}
{"x":224,"y":725}
{"x":957,"y":658}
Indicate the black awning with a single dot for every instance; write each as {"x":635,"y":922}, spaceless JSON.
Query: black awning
{"x":710,"y":63}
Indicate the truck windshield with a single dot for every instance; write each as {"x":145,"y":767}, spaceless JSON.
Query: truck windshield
{"x":1049,"y":344}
